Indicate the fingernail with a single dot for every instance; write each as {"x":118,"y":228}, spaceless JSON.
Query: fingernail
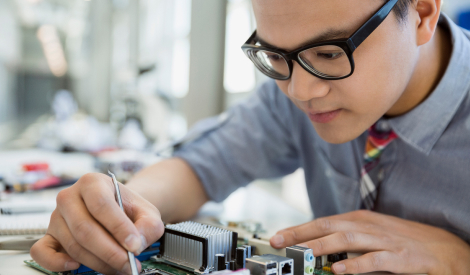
{"x":143,"y":242}
{"x":339,"y":268}
{"x":277,"y":240}
{"x":71,"y":265}
{"x":132,"y":242}
{"x":126,"y":269}
{"x":302,"y":244}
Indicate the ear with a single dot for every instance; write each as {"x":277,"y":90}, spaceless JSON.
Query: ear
{"x":427,"y":14}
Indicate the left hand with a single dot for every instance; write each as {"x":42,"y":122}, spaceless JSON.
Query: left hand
{"x":388,"y":243}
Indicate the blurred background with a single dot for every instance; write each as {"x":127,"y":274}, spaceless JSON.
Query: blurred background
{"x":160,"y":64}
{"x":119,"y":79}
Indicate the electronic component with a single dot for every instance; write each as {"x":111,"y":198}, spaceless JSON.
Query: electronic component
{"x":285,"y":266}
{"x":229,"y":272}
{"x":145,"y":255}
{"x":270,"y":264}
{"x":150,"y":271}
{"x":216,"y":252}
{"x":324,"y":263}
{"x":241,"y":257}
{"x":150,"y":251}
{"x":232,"y":265}
{"x":318,"y":263}
{"x":324,"y":260}
{"x":260,"y":265}
{"x":219,"y":262}
{"x":243,"y":253}
{"x":249,"y":250}
{"x":304,"y":263}
{"x":194,"y":245}
{"x":262,"y":247}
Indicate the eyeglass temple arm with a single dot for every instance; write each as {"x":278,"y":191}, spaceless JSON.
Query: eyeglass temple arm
{"x":252,"y":37}
{"x":363,"y":32}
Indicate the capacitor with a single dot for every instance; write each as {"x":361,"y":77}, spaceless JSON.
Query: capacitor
{"x":343,"y":256}
{"x":329,"y":258}
{"x":232,"y":265}
{"x":219,"y":262}
{"x":335,"y":258}
{"x":241,"y":257}
{"x":248,"y":251}
{"x":318,"y":264}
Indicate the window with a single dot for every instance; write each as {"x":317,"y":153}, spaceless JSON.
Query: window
{"x":239,"y":72}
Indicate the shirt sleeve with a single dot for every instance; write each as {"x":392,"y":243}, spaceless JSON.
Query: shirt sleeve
{"x":253,"y":142}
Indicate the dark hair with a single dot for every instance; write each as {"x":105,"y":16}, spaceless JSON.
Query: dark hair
{"x":401,"y":9}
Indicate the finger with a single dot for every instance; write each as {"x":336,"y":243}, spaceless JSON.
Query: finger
{"x":347,"y":241}
{"x":61,"y":233}
{"x":101,"y":202}
{"x":353,"y":216}
{"x":312,"y":230}
{"x":370,"y":262}
{"x":146,"y":217}
{"x":46,"y":252}
{"x":89,"y":234}
{"x":363,"y":215}
{"x":378,"y":221}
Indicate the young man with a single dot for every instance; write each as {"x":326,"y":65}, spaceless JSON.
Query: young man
{"x":405,"y":72}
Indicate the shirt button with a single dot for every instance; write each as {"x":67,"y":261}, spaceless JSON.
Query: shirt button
{"x":381,"y":175}
{"x":383,"y":126}
{"x":328,"y":173}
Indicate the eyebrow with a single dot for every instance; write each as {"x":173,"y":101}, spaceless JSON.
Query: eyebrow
{"x":325,"y":36}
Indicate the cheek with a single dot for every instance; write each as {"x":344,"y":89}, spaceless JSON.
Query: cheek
{"x":383,"y":68}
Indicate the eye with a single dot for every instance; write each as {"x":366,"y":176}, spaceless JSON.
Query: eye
{"x":274,"y":57}
{"x":330,"y":56}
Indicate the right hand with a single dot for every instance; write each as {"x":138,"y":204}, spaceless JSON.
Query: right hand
{"x":89,"y":227}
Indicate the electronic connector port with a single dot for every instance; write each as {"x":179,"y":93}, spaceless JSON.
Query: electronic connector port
{"x":309,"y":257}
{"x":286,"y":269}
{"x":259,"y":265}
{"x":303,"y":259}
{"x":285,"y":265}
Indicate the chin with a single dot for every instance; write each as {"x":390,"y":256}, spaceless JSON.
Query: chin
{"x":334,"y":135}
{"x":334,"y":139}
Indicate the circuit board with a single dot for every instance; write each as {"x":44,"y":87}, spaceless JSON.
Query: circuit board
{"x":145,"y":265}
{"x":191,"y":248}
{"x":35,"y":265}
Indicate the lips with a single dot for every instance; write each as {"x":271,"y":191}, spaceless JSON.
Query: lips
{"x":324,"y":117}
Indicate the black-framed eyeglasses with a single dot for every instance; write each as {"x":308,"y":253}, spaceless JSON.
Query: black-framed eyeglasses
{"x":330,"y":60}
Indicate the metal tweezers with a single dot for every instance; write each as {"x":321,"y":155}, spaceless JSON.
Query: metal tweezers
{"x":119,"y":200}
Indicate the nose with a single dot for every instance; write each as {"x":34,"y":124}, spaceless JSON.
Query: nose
{"x":304,"y":86}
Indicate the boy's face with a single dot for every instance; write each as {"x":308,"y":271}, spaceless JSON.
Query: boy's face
{"x":341,"y":110}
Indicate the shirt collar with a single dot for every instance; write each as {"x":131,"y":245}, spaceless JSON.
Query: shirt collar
{"x":424,"y":125}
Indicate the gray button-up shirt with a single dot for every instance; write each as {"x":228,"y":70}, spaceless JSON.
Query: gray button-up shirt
{"x":427,"y":169}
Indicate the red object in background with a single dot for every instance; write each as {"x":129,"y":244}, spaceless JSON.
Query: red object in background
{"x":44,"y":183}
{"x":36,"y":166}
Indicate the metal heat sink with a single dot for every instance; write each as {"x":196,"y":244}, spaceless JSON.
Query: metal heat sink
{"x":194,"y":245}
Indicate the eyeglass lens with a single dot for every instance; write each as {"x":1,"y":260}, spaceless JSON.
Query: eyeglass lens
{"x":327,"y":61}
{"x":272,"y":64}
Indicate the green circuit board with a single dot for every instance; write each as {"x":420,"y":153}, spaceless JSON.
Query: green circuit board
{"x":145,"y":265}
{"x":35,"y":265}
{"x":322,"y":272}
{"x":161,"y":266}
